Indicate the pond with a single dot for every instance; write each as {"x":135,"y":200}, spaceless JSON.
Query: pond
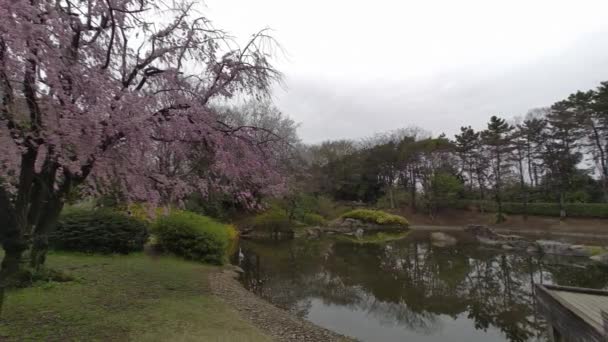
{"x":410,"y":290}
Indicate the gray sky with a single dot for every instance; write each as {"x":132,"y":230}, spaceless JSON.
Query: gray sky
{"x":354,"y":68}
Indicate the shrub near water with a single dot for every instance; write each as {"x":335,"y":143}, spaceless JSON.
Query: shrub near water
{"x":194,"y":237}
{"x":273,"y":220}
{"x":376,"y":217}
{"x":313,"y":219}
{"x":102,"y":231}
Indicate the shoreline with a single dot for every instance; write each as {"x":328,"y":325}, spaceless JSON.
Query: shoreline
{"x":513,"y":230}
{"x":279,"y":324}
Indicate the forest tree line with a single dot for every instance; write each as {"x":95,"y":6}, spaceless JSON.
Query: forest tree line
{"x":556,"y":154}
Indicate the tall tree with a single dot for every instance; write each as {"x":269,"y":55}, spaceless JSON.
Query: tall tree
{"x":93,"y":89}
{"x":561,"y":149}
{"x":467,"y":148}
{"x":497,"y":138}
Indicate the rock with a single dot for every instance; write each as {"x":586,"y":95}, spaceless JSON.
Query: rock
{"x":441,"y":239}
{"x":352,"y":223}
{"x":533,"y":248}
{"x":354,"y":227}
{"x":560,"y":248}
{"x":314,"y":232}
{"x":602,"y":258}
{"x":553,"y":247}
{"x":580,"y":250}
{"x":507,"y":247}
{"x":522,"y":244}
{"x":489,"y":242}
{"x":487,"y":236}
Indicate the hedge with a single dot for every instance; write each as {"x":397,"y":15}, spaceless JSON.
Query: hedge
{"x":102,"y":231}
{"x":194,"y":237}
{"x":589,"y":210}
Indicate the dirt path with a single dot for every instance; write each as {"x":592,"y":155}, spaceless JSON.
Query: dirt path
{"x":278,"y":323}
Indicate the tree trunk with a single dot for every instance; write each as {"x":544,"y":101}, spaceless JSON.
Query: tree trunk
{"x":14,"y":240}
{"x":14,"y":244}
{"x":391,"y":197}
{"x":562,"y":208}
{"x":413,"y":190}
{"x":46,"y":224}
{"x":499,"y":215}
{"x":522,"y":184}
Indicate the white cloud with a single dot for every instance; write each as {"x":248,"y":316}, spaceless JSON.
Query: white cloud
{"x":355,"y":67}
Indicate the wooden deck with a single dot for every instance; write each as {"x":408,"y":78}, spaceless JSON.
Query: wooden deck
{"x":575,"y":314}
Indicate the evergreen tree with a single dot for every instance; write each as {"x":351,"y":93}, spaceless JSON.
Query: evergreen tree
{"x":497,"y":139}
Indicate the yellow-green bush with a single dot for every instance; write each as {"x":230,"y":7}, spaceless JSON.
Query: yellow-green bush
{"x":273,"y":220}
{"x":377,"y":217}
{"x":194,"y":237}
{"x":144,"y":212}
{"x":312,"y":219}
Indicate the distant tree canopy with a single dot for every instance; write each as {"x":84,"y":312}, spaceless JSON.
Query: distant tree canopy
{"x":555,"y":154}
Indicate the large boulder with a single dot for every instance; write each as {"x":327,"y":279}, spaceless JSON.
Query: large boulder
{"x":561,"y":248}
{"x":601,"y":258}
{"x":487,"y":236}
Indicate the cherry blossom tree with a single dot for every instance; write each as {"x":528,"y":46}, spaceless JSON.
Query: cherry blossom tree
{"x":96,"y":93}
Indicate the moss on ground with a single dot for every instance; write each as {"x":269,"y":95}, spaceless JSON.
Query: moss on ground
{"x":123,"y":298}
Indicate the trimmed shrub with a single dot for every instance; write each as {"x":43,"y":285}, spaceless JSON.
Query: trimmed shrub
{"x":194,"y":237}
{"x":313,"y":219}
{"x":101,"y":231}
{"x":376,"y":217}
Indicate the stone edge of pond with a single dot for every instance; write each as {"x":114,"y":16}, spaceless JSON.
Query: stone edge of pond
{"x":275,"y":322}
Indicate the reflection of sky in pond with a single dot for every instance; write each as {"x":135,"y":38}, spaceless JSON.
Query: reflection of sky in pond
{"x":370,"y":327}
{"x":410,"y":290}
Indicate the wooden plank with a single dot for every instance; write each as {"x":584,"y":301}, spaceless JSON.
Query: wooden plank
{"x":567,"y":318}
{"x":588,"y":306}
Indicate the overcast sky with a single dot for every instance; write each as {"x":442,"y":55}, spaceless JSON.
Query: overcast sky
{"x":353,"y":68}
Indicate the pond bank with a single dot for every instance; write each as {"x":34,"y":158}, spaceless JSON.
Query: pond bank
{"x":585,"y":233}
{"x":278,"y":323}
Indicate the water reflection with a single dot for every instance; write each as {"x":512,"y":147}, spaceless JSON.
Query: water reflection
{"x":411,"y":290}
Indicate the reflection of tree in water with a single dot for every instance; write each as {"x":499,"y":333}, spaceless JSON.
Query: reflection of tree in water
{"x":410,"y":283}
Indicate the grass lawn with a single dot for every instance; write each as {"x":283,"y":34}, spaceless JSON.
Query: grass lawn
{"x":123,"y":298}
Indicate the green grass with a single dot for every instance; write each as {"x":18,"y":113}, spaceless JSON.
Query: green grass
{"x":377,"y":238}
{"x":123,"y":298}
{"x":377,"y":217}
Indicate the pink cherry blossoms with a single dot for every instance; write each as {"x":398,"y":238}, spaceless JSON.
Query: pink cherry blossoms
{"x":116,"y":93}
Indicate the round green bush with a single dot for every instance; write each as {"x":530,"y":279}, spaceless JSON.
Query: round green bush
{"x":194,"y":237}
{"x":100,"y":231}
{"x":377,"y":217}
